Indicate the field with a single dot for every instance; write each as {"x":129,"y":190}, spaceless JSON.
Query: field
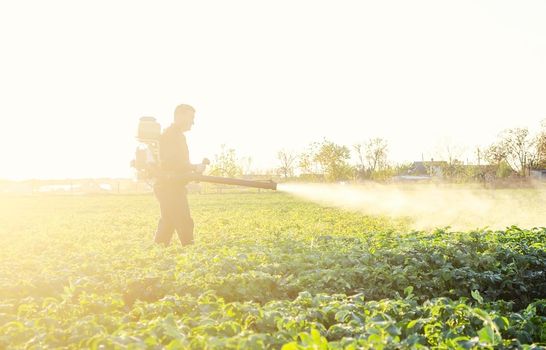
{"x":267,"y":271}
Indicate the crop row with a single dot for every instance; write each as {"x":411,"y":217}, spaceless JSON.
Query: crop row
{"x":267,"y":271}
{"x":327,"y":321}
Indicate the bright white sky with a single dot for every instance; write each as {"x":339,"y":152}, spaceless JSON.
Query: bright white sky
{"x":76,"y":76}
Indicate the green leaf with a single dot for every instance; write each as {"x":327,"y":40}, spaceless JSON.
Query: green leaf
{"x":502,"y":322}
{"x":290,"y":346}
{"x":487,"y":335}
{"x":476,"y":295}
{"x":412,"y":323}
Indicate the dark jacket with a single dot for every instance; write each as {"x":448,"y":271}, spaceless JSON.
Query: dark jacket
{"x":173,"y":152}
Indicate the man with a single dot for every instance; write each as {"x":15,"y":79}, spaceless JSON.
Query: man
{"x":170,"y":191}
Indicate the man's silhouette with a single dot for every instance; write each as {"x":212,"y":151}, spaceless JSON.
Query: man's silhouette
{"x":171,"y":193}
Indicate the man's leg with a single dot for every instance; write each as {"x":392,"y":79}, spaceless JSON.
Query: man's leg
{"x":165,"y":227}
{"x":164,"y":231}
{"x":183,"y":222}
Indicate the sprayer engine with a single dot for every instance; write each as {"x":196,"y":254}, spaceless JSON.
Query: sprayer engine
{"x":146,"y":161}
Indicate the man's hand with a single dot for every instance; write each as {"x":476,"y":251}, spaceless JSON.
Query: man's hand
{"x":200,"y":168}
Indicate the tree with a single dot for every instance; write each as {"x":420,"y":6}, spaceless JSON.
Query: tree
{"x":495,"y":154}
{"x":376,"y":154}
{"x":245,"y":164}
{"x":451,"y":153}
{"x":333,"y":160}
{"x":225,"y":163}
{"x":360,"y":167}
{"x":371,"y":156}
{"x":307,"y":163}
{"x":287,"y":162}
{"x":541,"y":147}
{"x":521,"y":149}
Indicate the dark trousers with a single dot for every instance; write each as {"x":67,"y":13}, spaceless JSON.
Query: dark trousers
{"x":175,"y":214}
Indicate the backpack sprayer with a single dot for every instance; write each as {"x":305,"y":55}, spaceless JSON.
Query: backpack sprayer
{"x":147,"y":163}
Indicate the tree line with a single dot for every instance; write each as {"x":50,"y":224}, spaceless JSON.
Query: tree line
{"x":515,"y":153}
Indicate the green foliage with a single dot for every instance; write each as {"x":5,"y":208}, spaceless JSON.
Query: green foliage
{"x":333,"y":160}
{"x":328,"y":159}
{"x":503,"y":170}
{"x":225,"y":163}
{"x":267,"y":271}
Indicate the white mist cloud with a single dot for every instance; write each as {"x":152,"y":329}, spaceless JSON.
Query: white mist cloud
{"x":429,"y":206}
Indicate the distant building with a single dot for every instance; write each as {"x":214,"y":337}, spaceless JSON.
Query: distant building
{"x":422,"y":171}
{"x":538,"y":174}
{"x":429,"y":168}
{"x":412,"y":178}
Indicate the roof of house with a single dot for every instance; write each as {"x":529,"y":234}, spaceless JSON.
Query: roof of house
{"x":430,"y":163}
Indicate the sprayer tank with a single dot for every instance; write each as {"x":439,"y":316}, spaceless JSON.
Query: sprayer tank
{"x":148,"y":129}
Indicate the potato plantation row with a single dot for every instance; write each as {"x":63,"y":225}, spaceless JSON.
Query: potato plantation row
{"x":267,"y":271}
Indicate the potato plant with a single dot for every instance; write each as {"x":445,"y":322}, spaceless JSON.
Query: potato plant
{"x":267,"y":271}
